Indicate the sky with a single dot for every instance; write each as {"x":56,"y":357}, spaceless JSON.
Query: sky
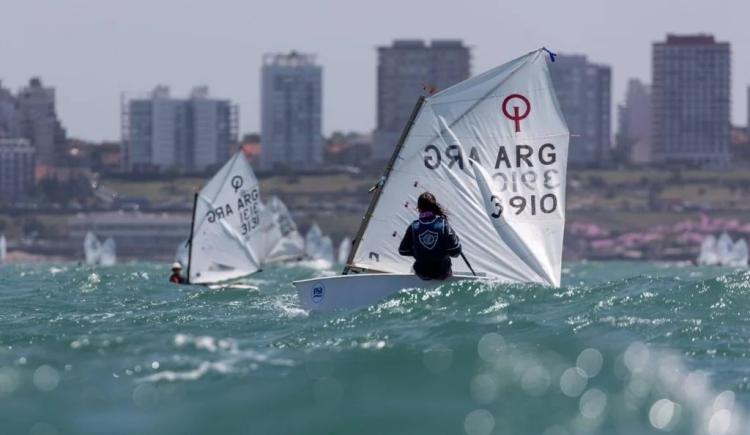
{"x":92,"y":51}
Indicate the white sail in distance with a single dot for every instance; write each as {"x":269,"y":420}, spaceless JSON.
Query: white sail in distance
{"x":724,"y":248}
{"x":107,"y":253}
{"x":3,"y":248}
{"x":739,"y":255}
{"x":345,"y":247}
{"x":228,"y":241}
{"x":182,"y":252}
{"x":493,"y":150}
{"x":291,"y":245}
{"x":708,"y":255}
{"x":91,"y":249}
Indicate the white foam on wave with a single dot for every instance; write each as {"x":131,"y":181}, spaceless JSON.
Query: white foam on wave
{"x":232,"y":359}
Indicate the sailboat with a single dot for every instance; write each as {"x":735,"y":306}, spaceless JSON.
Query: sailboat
{"x":493,"y":150}
{"x":107,"y":253}
{"x":724,"y":248}
{"x":290,"y":246}
{"x":344,"y":248}
{"x":91,"y":248}
{"x":229,"y":236}
{"x":318,"y":248}
{"x":708,"y":255}
{"x":739,"y":254}
{"x":181,"y":253}
{"x":3,"y":248}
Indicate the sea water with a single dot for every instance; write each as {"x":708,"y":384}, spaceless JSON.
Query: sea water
{"x":620,"y":348}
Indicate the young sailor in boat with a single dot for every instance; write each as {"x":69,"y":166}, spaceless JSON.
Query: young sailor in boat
{"x":176,"y":277}
{"x":430,"y":240}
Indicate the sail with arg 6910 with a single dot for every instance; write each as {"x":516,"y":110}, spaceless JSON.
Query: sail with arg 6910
{"x":493,"y":150}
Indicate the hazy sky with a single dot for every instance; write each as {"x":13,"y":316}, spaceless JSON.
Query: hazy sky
{"x":93,"y":50}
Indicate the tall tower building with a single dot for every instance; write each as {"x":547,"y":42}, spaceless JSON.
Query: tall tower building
{"x":691,"y":97}
{"x":406,"y":70}
{"x":584,"y":91}
{"x":634,"y":123}
{"x":161,"y":132}
{"x":291,"y":111}
{"x":38,"y":122}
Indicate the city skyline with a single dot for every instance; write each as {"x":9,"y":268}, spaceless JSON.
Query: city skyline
{"x":90,"y":73}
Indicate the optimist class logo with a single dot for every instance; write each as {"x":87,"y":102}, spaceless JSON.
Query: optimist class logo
{"x":517,"y":115}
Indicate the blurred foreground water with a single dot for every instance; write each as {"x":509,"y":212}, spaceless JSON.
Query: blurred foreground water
{"x":621,"y":348}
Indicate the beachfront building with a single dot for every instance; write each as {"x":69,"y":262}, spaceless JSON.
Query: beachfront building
{"x":291,"y":111}
{"x":31,"y":114}
{"x":162,"y":133}
{"x":691,"y":96}
{"x":584,"y":91}
{"x":16,"y":169}
{"x":634,"y":124}
{"x":406,"y":70}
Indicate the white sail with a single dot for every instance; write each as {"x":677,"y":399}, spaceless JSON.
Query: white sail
{"x":91,"y":248}
{"x":493,"y":150}
{"x":739,"y":255}
{"x":313,"y":241}
{"x":182,"y":252}
{"x":291,"y":245}
{"x":228,"y":241}
{"x":724,"y":248}
{"x":107,"y":253}
{"x":708,"y":255}
{"x":345,"y":247}
{"x":326,"y":250}
{"x":3,"y":248}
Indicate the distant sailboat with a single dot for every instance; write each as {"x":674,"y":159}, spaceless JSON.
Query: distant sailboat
{"x":724,"y":248}
{"x":708,"y":255}
{"x":493,"y":149}
{"x":3,"y":248}
{"x":738,"y":257}
{"x":181,"y":253}
{"x":345,"y":247}
{"x":319,"y":248}
{"x":108,"y":254}
{"x":230,"y":228}
{"x":91,"y":249}
{"x":290,"y":246}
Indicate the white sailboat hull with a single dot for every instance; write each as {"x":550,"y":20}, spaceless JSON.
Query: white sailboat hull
{"x":361,"y":290}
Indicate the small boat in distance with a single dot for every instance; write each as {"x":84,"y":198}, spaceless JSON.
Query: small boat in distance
{"x":3,"y":248}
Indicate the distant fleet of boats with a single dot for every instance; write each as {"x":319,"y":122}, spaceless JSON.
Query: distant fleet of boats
{"x":723,"y":251}
{"x":97,"y":253}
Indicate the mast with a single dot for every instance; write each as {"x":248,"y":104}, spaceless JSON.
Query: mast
{"x":190,"y":240}
{"x":381,"y":183}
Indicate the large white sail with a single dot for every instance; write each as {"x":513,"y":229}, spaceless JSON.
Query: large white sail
{"x":291,"y":245}
{"x":493,"y":150}
{"x":91,"y":248}
{"x":107,"y":253}
{"x":3,"y":248}
{"x":228,"y":240}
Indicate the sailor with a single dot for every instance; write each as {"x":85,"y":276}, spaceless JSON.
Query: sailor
{"x":430,"y":240}
{"x":176,"y":277}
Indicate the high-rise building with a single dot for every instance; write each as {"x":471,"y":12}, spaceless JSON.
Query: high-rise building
{"x":634,"y":124}
{"x":584,"y":92}
{"x":9,"y":124}
{"x":406,"y":70}
{"x":691,"y":118}
{"x":16,"y":169}
{"x":162,"y":133}
{"x":39,"y":124}
{"x":291,"y":111}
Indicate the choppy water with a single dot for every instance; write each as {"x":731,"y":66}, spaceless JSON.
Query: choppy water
{"x":622,"y":348}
